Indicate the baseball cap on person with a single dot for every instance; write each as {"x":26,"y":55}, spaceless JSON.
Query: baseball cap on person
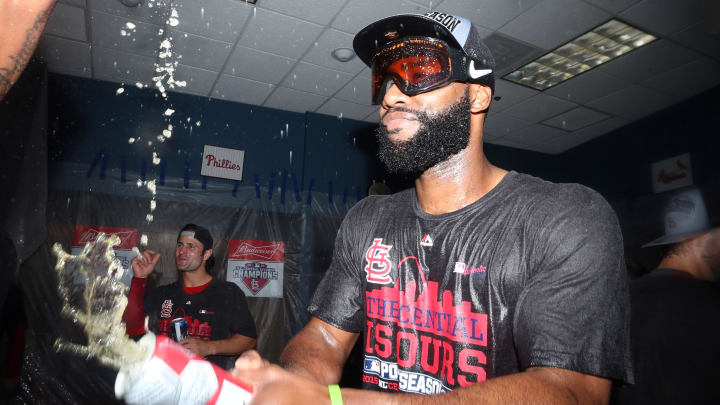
{"x":199,"y":233}
{"x":685,"y":217}
{"x":465,"y":58}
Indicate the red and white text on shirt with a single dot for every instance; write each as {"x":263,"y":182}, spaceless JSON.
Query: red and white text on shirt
{"x":457,"y":323}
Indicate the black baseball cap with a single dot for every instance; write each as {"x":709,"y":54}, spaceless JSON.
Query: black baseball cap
{"x":199,"y":233}
{"x":456,"y":31}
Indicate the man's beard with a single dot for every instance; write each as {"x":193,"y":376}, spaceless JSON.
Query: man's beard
{"x":437,"y":138}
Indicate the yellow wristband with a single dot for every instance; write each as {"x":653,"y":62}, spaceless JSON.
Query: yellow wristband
{"x":335,"y":395}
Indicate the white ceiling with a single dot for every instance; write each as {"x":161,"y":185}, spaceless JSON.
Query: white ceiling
{"x":277,"y":54}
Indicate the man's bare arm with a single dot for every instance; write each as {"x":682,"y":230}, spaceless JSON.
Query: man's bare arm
{"x":318,"y":352}
{"x":234,"y":345}
{"x":539,"y":385}
{"x":21,"y":23}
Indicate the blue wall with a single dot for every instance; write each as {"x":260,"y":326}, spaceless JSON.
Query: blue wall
{"x":87,"y":119}
{"x":90,"y":124}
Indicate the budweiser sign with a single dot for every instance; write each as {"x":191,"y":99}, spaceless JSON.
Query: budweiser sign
{"x":256,"y":266}
{"x":222,"y":162}
{"x":84,"y":234}
{"x":257,"y":250}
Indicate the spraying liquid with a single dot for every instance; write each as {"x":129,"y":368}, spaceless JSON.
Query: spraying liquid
{"x":95,"y":298}
{"x":153,"y":371}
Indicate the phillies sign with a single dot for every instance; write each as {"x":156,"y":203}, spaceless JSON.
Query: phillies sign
{"x":222,"y":162}
{"x":257,"y":267}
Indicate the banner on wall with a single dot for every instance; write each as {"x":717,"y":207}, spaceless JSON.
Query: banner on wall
{"x":257,"y":267}
{"x":672,"y":173}
{"x":222,"y":162}
{"x":128,"y":239}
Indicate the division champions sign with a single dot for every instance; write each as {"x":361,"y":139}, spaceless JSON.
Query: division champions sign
{"x":257,"y":267}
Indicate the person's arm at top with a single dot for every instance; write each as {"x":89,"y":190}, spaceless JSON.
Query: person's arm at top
{"x":314,"y":359}
{"x":134,"y":315}
{"x":21,"y":23}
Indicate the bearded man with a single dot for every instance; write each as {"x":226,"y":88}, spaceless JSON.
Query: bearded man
{"x":478,"y":285}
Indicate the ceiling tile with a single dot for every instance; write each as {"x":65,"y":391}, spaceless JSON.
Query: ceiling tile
{"x":64,"y":55}
{"x":366,"y":73}
{"x":688,"y":80}
{"x":357,"y":91}
{"x":317,"y":11}
{"x":241,"y":90}
{"x":499,"y":124}
{"x":373,"y":117}
{"x":601,"y":128}
{"x":344,"y":109}
{"x":539,"y":108}
{"x":316,"y":79}
{"x":198,"y":81}
{"x":222,"y":19}
{"x":284,"y":98}
{"x":510,"y":94}
{"x":107,"y":32}
{"x":508,"y":142}
{"x":569,"y":141}
{"x":535,"y":134}
{"x":664,"y":17}
{"x":320,"y":52}
{"x":279,"y":34}
{"x":648,"y":61}
{"x":509,"y":53}
{"x":427,"y":3}
{"x":698,"y":39}
{"x":613,"y":6}
{"x":359,"y":13}
{"x":257,"y":65}
{"x":576,"y":118}
{"x":200,"y":52}
{"x":146,"y":11}
{"x":552,"y":23}
{"x":588,"y":86}
{"x":632,"y":102}
{"x":491,"y":14}
{"x":118,"y":65}
{"x":68,"y":22}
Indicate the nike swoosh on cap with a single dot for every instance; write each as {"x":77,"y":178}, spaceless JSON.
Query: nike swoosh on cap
{"x":475,"y":73}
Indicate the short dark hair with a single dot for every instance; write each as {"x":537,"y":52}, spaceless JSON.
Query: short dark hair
{"x":203,"y":235}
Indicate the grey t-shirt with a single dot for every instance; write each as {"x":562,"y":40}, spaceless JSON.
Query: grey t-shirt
{"x":532,"y":274}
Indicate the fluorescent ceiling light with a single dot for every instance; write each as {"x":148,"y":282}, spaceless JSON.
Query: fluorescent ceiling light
{"x":602,"y":44}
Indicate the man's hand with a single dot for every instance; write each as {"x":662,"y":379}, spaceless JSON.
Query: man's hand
{"x":274,"y":385}
{"x":198,"y":346}
{"x":144,"y":265}
{"x":234,"y":345}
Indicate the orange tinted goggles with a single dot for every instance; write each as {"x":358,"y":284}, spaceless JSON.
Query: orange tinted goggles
{"x":415,"y":65}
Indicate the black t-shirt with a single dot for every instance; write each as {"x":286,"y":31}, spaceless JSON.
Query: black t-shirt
{"x":217,"y":312}
{"x":675,"y":341}
{"x":532,"y":274}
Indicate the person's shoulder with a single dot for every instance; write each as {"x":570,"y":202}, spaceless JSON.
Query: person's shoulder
{"x":226,"y":287}
{"x":165,"y":290}
{"x":377,"y":205}
{"x":554,"y":196}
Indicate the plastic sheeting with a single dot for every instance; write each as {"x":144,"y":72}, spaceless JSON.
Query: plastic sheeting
{"x":306,"y":224}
